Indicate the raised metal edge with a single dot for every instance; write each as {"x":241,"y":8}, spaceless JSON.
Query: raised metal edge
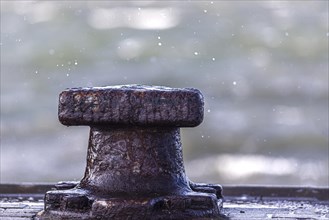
{"x":286,"y":192}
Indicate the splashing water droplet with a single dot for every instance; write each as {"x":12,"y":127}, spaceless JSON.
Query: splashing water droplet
{"x":196,"y":53}
{"x":213,"y":59}
{"x":159,"y":43}
{"x":51,"y":52}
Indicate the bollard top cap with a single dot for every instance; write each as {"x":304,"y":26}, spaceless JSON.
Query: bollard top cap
{"x":136,"y":105}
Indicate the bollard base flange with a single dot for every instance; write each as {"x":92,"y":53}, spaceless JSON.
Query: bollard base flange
{"x":80,"y":204}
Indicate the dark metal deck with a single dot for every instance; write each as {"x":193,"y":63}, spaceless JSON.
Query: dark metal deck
{"x":21,"y":202}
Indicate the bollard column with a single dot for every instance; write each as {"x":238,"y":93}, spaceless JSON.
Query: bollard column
{"x":134,"y":162}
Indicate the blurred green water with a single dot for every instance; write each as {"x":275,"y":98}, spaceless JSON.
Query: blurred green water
{"x":262,"y":66}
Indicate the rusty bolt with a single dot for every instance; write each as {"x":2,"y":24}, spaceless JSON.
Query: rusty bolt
{"x":134,"y":162}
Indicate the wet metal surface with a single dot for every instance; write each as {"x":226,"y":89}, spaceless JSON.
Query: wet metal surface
{"x":23,"y":202}
{"x":134,"y":162}
{"x":131,"y":105}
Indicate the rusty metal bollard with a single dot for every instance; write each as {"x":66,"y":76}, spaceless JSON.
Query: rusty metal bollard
{"x":135,"y":166}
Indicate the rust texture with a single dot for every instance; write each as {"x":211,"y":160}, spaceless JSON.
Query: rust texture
{"x":134,"y":162}
{"x":24,"y":201}
{"x":131,"y":105}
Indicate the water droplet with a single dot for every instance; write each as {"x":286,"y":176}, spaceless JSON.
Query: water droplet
{"x":69,"y":62}
{"x":62,"y":64}
{"x":205,"y":11}
{"x":51,"y":52}
{"x":287,"y":34}
{"x":159,"y":37}
{"x":211,"y":2}
{"x":36,"y":72}
{"x":213,"y":59}
{"x":208,"y":110}
{"x":159,"y":43}
{"x":202,"y":136}
{"x":196,"y":53}
{"x":76,"y":63}
{"x":67,"y":74}
{"x":233,"y":35}
{"x":234,"y":82}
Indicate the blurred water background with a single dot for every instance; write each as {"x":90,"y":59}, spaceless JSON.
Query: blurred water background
{"x":261,"y":65}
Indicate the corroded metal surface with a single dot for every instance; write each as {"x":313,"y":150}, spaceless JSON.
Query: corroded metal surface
{"x":131,"y":105}
{"x":134,"y":161}
{"x":135,"y":165}
{"x":23,"y":202}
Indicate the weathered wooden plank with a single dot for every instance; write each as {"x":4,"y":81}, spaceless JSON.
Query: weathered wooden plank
{"x":276,"y":209}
